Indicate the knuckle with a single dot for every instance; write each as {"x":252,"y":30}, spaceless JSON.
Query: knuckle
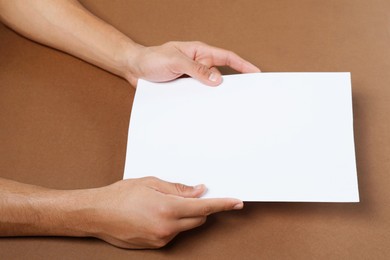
{"x":201,"y":69}
{"x":231,"y":53}
{"x":150,"y":179}
{"x":202,"y":220}
{"x":160,"y":243}
{"x":157,"y":245}
{"x":206,"y":210}
{"x":199,"y":43}
{"x":169,"y":43}
{"x":163,"y":233}
{"x":164,"y":211}
{"x":229,"y":56}
{"x":181,"y":188}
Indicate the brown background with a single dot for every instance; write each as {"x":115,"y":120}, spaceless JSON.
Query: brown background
{"x":63,"y":123}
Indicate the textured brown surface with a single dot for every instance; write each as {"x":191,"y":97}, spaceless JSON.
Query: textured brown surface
{"x":63,"y":123}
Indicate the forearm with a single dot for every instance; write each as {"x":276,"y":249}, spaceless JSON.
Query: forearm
{"x":68,"y":26}
{"x":31,"y":210}
{"x":134,"y":213}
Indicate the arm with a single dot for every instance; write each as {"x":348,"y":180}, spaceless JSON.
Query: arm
{"x":136,"y":213}
{"x":125,"y":213}
{"x":68,"y":26}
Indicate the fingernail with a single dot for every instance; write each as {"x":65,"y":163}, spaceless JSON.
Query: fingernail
{"x":239,"y":205}
{"x":199,"y":187}
{"x":213,"y":77}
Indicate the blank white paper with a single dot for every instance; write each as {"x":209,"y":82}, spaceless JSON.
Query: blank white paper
{"x":256,"y":137}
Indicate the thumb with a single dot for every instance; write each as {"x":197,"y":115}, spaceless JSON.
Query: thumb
{"x":177,"y":189}
{"x":209,"y":76}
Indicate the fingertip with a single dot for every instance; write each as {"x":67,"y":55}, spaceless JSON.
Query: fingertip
{"x":215,"y":79}
{"x":238,"y":205}
{"x":200,"y":187}
{"x":199,"y":190}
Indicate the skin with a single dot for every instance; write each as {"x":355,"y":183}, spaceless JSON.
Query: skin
{"x":134,"y":213}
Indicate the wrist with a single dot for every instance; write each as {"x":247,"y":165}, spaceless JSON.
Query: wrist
{"x":130,"y":62}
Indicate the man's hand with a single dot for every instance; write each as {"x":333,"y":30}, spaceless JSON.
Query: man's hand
{"x":134,"y":213}
{"x":173,"y":59}
{"x":149,"y":212}
{"x":68,"y":26}
{"x":138,"y":213}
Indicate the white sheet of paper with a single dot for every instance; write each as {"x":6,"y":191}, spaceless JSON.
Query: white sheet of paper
{"x":256,"y":137}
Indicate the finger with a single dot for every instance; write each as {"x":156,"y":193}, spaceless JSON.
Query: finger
{"x":216,"y":75}
{"x":205,"y":207}
{"x":190,"y":223}
{"x":176,"y":189}
{"x":221,"y":57}
{"x":200,"y":72}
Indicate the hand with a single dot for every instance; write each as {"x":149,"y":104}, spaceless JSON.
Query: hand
{"x":68,"y":26}
{"x":149,"y":212}
{"x":173,"y":59}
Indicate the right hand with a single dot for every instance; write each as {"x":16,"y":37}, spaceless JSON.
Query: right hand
{"x":173,"y":59}
{"x":149,"y":212}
